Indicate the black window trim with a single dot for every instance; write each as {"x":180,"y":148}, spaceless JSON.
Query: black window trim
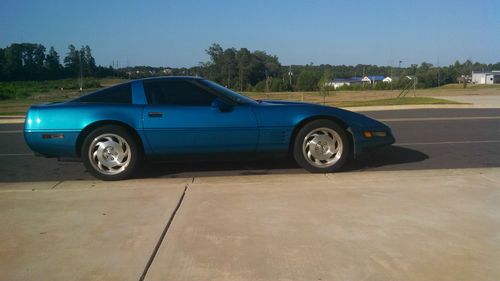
{"x":217,"y":94}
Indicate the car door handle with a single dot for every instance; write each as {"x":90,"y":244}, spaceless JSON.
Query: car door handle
{"x":155,"y":114}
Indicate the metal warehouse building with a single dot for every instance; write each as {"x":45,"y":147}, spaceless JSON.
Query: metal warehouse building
{"x":491,"y":77}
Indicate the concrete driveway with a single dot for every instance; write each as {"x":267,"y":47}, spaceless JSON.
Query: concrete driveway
{"x":389,"y":225}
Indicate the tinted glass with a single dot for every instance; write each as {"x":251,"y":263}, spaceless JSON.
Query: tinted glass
{"x":236,"y":97}
{"x":117,"y":94}
{"x":177,"y":93}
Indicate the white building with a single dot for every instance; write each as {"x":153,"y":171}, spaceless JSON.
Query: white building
{"x":372,"y":79}
{"x":491,"y":77}
{"x":337,"y":83}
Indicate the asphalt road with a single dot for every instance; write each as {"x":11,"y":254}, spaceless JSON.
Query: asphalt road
{"x":426,"y":139}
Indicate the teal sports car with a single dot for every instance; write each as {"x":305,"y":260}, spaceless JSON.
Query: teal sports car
{"x":114,"y":129}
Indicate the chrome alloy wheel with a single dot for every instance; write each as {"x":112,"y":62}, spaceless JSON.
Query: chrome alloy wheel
{"x":322,"y":147}
{"x":109,"y":154}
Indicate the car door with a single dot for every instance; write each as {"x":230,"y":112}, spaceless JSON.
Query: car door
{"x":183,"y":118}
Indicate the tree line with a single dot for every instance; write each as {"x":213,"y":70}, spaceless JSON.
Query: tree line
{"x":243,"y":70}
{"x":239,"y":69}
{"x":31,"y":61}
{"x":257,"y":71}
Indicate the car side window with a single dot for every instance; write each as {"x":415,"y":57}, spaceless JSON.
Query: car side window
{"x":177,"y":93}
{"x":121,"y":94}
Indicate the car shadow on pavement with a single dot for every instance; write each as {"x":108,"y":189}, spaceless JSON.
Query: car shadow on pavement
{"x":386,"y":157}
{"x":23,"y":169}
{"x":274,"y":165}
{"x":382,"y":157}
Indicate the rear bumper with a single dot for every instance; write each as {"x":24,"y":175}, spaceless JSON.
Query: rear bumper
{"x":41,"y":143}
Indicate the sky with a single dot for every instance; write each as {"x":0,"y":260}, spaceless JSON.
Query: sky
{"x":176,"y":33}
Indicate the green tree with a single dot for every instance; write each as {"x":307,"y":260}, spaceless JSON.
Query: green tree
{"x":277,"y":85}
{"x":260,"y":86}
{"x":243,"y":58}
{"x":230,"y":67}
{"x":216,"y":63}
{"x":88,"y":61}
{"x":240,"y":69}
{"x":307,"y":80}
{"x":324,"y":84}
{"x":72,"y":61}
{"x":13,"y":67}
{"x":53,"y":64}
{"x":2,"y":62}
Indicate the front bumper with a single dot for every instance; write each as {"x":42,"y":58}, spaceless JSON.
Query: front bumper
{"x":363,"y":144}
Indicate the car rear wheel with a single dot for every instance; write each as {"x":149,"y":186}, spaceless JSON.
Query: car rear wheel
{"x":321,"y":146}
{"x":110,"y":153}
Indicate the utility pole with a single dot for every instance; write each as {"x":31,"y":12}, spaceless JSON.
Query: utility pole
{"x":399,"y":69}
{"x":392,"y":77}
{"x":415,"y":86}
{"x":81,"y":71}
{"x":290,"y":74}
{"x":362,"y":83}
{"x":241,"y":79}
{"x":267,"y":82}
{"x":439,"y":77}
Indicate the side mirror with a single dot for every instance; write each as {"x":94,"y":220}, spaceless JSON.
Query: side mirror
{"x":221,"y":105}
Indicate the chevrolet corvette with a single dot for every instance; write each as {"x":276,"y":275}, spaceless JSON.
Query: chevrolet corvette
{"x":113,"y":130}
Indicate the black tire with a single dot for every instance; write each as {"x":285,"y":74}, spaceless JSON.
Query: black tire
{"x":299,"y":154}
{"x":111,"y":132}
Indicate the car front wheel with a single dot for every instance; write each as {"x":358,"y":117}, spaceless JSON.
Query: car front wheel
{"x":321,"y":146}
{"x":110,"y":153}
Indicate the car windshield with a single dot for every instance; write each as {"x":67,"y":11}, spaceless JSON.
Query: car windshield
{"x":236,"y":97}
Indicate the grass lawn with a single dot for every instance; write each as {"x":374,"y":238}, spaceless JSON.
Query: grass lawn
{"x":352,"y":99}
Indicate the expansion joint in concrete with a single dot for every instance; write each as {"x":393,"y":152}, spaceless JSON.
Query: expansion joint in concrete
{"x":58,"y":183}
{"x":163,"y":234}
